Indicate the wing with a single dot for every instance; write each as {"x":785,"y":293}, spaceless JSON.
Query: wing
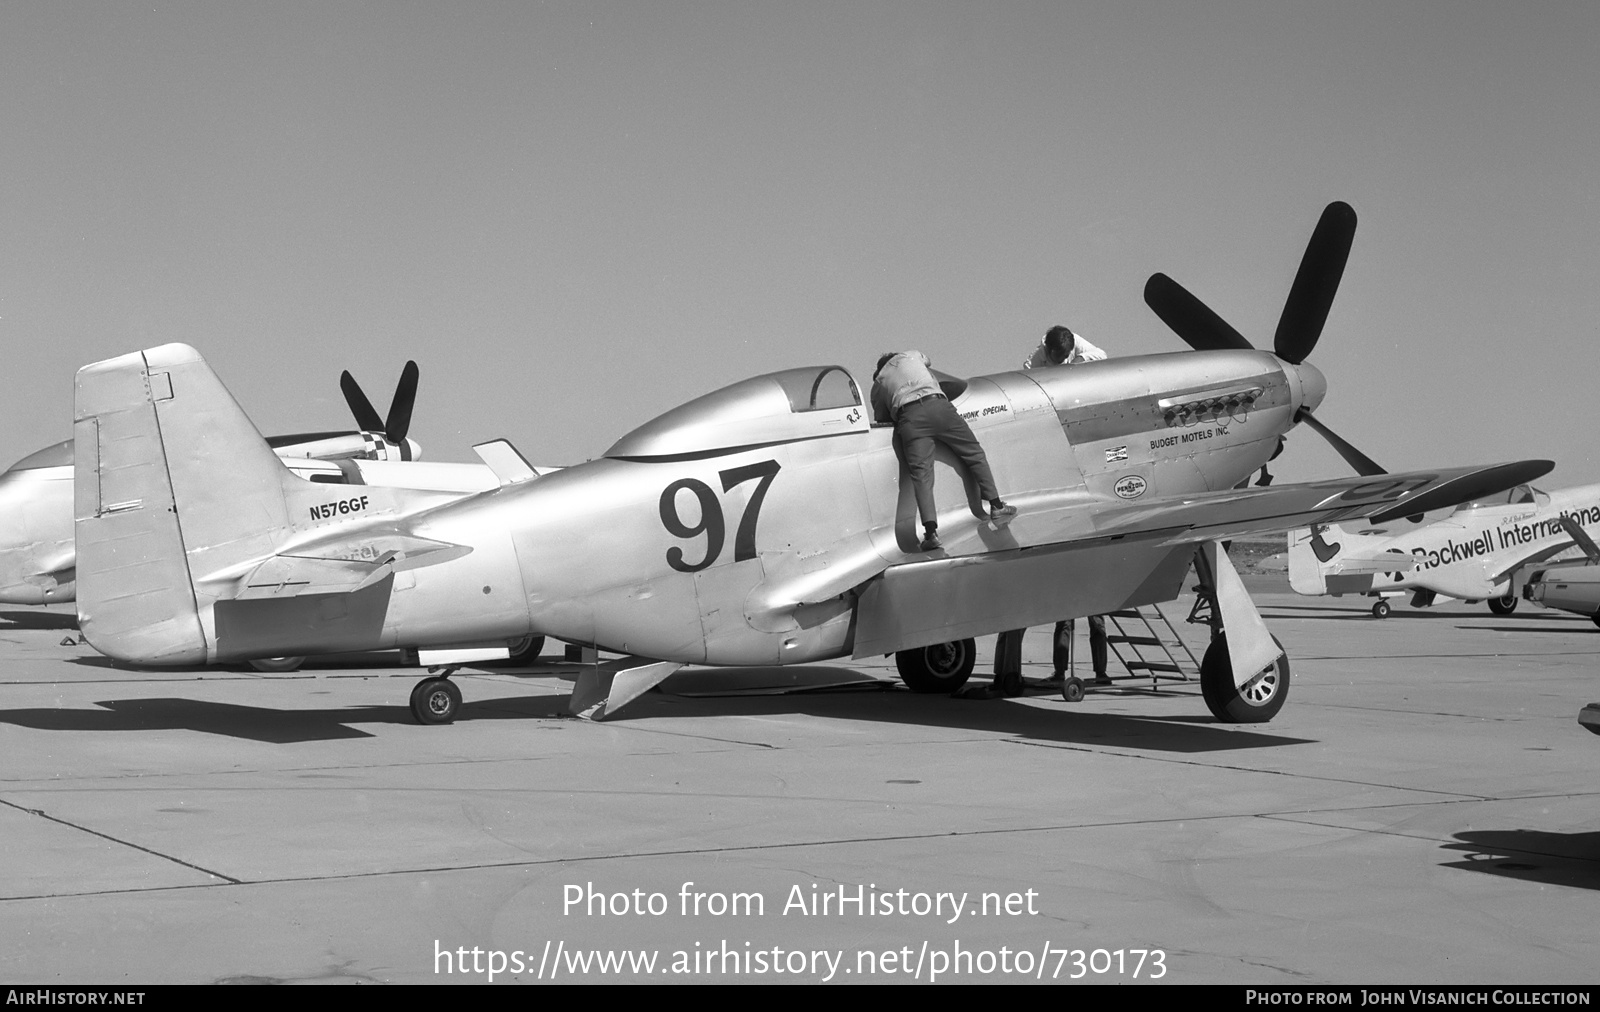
{"x":1087,"y":556}
{"x":1379,"y":499}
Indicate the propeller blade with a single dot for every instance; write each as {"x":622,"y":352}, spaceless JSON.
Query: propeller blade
{"x":366,"y":415}
{"x":405,"y":398}
{"x":1311,"y":296}
{"x":1190,"y":318}
{"x":1363,"y":464}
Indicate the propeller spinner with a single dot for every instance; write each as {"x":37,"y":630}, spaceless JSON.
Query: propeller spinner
{"x":1305,"y":312}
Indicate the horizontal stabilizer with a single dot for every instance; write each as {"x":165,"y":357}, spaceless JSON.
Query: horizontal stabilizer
{"x":332,"y":566}
{"x":503,"y":459}
{"x":1392,"y":561}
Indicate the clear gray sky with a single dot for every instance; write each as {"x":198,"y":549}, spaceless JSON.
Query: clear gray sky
{"x":576,"y":215}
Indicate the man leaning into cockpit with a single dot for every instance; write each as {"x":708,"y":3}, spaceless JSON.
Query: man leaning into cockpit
{"x":905,"y":392}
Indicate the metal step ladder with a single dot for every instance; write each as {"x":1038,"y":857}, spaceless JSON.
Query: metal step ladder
{"x":1147,"y":644}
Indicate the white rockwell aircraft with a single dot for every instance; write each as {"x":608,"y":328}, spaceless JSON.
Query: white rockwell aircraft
{"x":37,"y":554}
{"x":1485,"y":550}
{"x":763,"y":523}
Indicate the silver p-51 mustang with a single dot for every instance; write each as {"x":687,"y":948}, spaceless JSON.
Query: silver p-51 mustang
{"x":764,"y":523}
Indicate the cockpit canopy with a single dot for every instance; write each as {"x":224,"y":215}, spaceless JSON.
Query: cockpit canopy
{"x":1510,"y":497}
{"x":805,"y":403}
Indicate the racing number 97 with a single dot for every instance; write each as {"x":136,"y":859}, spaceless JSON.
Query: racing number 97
{"x":711,"y":523}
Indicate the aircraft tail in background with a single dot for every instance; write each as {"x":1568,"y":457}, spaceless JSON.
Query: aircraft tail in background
{"x":1328,"y":559}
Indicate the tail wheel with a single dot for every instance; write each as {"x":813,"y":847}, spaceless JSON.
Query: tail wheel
{"x":277,"y":664}
{"x":940,"y":667}
{"x":1503,"y":605}
{"x":1255,"y":702}
{"x":435,"y":701}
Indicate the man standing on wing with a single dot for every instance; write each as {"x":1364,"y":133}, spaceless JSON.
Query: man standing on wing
{"x":905,"y":392}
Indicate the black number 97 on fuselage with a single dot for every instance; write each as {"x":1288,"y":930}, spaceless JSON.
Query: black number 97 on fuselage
{"x":711,"y":522}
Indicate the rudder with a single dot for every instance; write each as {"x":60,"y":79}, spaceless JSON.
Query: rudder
{"x":172,"y":479}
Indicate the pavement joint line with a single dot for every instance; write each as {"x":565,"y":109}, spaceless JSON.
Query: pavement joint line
{"x":40,"y":813}
{"x":1252,"y":769}
{"x":678,"y":852}
{"x":789,"y":845}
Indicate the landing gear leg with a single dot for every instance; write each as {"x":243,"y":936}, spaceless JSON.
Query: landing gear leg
{"x":1261,"y":692}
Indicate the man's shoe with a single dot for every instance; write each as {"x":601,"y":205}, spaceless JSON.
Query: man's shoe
{"x":931,"y":543}
{"x":1002,"y":514}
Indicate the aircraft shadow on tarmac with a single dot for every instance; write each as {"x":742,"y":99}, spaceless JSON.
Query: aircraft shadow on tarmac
{"x":831,"y":693}
{"x":1568,"y":859}
{"x":37,"y":620}
{"x":1059,"y":724}
{"x":259,"y":723}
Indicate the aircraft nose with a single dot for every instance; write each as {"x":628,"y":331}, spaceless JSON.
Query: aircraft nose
{"x":1313,"y":385}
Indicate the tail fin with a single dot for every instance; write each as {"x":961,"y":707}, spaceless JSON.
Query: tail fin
{"x":1309,"y":558}
{"x":171,"y":478}
{"x":183,"y":509}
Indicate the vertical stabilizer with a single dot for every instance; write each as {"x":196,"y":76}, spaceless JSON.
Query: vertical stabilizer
{"x":172,"y":480}
{"x":1307,"y":574}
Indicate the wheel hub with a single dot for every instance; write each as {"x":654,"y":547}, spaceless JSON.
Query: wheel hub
{"x":1261,"y":688}
{"x":944,"y":660}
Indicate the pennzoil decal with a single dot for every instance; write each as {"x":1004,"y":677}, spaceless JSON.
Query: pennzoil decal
{"x":1131,"y":487}
{"x":1116,"y":453}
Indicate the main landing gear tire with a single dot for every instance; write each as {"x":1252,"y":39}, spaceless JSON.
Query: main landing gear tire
{"x":435,"y":701}
{"x":275,"y":665}
{"x":1381,"y":610}
{"x":940,"y":667}
{"x":1260,"y":699}
{"x":1503,"y":605}
{"x":526,"y":650}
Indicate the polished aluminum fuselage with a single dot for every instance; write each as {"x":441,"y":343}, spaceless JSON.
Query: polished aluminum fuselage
{"x":613,"y":552}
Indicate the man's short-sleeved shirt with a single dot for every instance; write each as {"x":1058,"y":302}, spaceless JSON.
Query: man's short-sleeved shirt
{"x":904,"y":378}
